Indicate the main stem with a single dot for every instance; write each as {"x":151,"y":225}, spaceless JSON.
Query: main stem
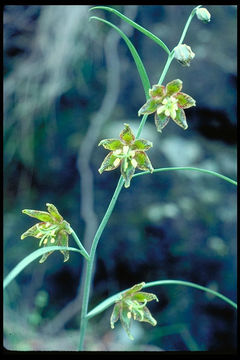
{"x":87,"y":284}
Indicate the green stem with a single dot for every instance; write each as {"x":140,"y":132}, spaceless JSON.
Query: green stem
{"x":79,"y":244}
{"x":187,"y":24}
{"x":87,"y":283}
{"x":192,"y":169}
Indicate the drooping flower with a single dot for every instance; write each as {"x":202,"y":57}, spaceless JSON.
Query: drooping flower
{"x":203,"y":14}
{"x":168,"y":102}
{"x":132,"y":305}
{"x":52,"y":230}
{"x":183,"y":54}
{"x":126,"y":152}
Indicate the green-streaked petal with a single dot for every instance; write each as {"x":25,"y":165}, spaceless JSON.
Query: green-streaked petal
{"x":127,"y":171}
{"x":149,"y":107}
{"x":45,"y":256}
{"x":111,"y":144}
{"x":115,"y":314}
{"x":184,"y":100}
{"x":173,"y":87}
{"x":157,"y":90}
{"x":180,"y":119}
{"x":62,"y":240}
{"x":40,"y":215}
{"x":143,"y":161}
{"x":127,"y":135}
{"x":53,"y":211}
{"x":142,"y":296}
{"x":133,"y":289}
{"x":161,"y":120}
{"x":108,"y":163}
{"x":147,"y":317}
{"x":126,"y":321}
{"x":141,"y":144}
{"x":32,"y":231}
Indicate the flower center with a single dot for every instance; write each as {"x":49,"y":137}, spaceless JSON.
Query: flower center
{"x":168,"y":107}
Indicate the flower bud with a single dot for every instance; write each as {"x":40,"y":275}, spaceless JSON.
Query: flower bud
{"x":183,"y":54}
{"x":203,"y":15}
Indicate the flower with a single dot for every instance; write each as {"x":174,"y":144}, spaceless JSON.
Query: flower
{"x":168,"y":102}
{"x":128,"y":153}
{"x":52,"y":230}
{"x":183,"y":54}
{"x":132,"y":304}
{"x":203,"y":14}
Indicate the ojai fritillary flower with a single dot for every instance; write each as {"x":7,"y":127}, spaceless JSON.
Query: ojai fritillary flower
{"x":132,"y":305}
{"x":168,"y":102}
{"x":52,"y":230}
{"x":128,"y":153}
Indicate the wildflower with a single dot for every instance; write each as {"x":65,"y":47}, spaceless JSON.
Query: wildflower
{"x":128,"y":153}
{"x":52,"y":230}
{"x":203,"y":14}
{"x":168,"y":102}
{"x":183,"y":54}
{"x":132,"y":304}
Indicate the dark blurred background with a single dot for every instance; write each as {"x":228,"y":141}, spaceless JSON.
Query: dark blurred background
{"x":68,"y":83}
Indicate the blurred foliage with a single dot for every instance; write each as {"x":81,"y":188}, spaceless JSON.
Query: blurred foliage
{"x":172,"y":225}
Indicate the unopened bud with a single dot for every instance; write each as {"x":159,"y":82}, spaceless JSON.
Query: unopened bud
{"x":203,"y":14}
{"x":183,"y":54}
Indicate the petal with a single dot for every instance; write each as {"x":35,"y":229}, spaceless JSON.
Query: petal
{"x":62,"y":240}
{"x":115,"y":314}
{"x":157,"y":90}
{"x":126,"y":321}
{"x":173,"y":87}
{"x":111,"y":144}
{"x":45,"y":256}
{"x":133,"y":289}
{"x":141,"y":144}
{"x":127,"y":171}
{"x":143,"y":161}
{"x":180,"y":119}
{"x":142,"y":296}
{"x":149,"y":107}
{"x":127,"y":135}
{"x":53,"y":211}
{"x":32,"y":231}
{"x":40,"y":215}
{"x":185,"y":101}
{"x":161,"y":120}
{"x":147,"y":317}
{"x":108,"y":163}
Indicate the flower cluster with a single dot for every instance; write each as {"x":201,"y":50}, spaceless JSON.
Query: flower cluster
{"x":128,"y":153}
{"x":52,"y":230}
{"x":132,"y":304}
{"x":168,"y":102}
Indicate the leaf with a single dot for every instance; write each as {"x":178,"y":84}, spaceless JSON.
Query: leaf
{"x":140,"y":67}
{"x":173,"y":87}
{"x":136,"y":26}
{"x":185,"y":101}
{"x":111,"y":144}
{"x":30,"y":258}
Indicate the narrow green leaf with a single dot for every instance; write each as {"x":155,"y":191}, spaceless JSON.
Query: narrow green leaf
{"x":111,"y":300}
{"x":136,"y":26}
{"x":141,"y":69}
{"x":30,"y":258}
